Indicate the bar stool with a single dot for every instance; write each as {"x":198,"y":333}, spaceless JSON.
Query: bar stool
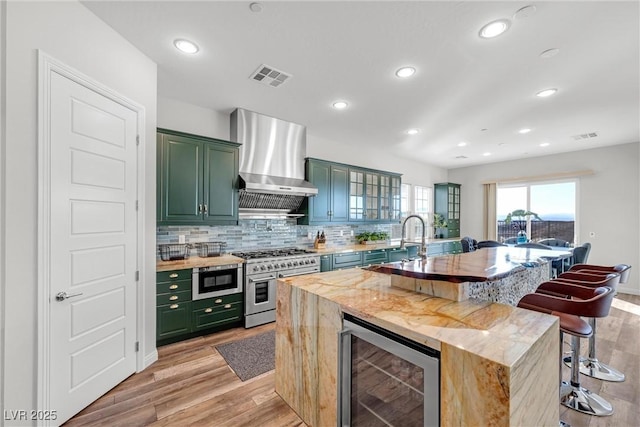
{"x":622,"y":269}
{"x":592,"y":302}
{"x":590,"y":365}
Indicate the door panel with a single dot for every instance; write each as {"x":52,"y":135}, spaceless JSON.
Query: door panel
{"x":93,"y":244}
{"x":220,"y":174}
{"x":181,"y":179}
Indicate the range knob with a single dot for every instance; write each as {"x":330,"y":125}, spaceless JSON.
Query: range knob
{"x":289,"y":264}
{"x":313,"y":260}
{"x":263,"y":268}
{"x":256,"y":268}
{"x":269,"y":266}
{"x":306,"y":261}
{"x":283,"y":265}
{"x":295,"y":262}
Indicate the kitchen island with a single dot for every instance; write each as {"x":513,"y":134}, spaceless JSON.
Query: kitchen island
{"x":499,"y":364}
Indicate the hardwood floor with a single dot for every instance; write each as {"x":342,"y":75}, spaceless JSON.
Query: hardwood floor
{"x":191,"y":384}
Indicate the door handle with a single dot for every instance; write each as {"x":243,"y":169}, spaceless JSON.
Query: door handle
{"x":61,"y":296}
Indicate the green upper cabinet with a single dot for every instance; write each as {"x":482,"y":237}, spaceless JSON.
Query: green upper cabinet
{"x":447,"y":204}
{"x":197,"y":180}
{"x":331,"y":203}
{"x":348,"y":194}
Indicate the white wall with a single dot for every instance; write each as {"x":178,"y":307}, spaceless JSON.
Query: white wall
{"x":72,"y":34}
{"x":180,"y":116}
{"x":608,"y":202}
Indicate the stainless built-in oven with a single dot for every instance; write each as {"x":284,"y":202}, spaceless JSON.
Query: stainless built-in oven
{"x":386,"y":379}
{"x":217,"y":280}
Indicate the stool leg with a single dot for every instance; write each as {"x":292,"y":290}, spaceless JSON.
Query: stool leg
{"x":591,"y":366}
{"x":561,"y":423}
{"x":578,"y":398}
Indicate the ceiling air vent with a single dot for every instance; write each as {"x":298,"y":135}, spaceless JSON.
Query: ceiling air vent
{"x":269,"y":76}
{"x":461,"y":157}
{"x":585,"y":136}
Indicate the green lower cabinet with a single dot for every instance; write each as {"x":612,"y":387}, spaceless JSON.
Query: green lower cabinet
{"x":214,"y":312}
{"x":173,"y":320}
{"x":412,"y":251}
{"x":326,"y":262}
{"x":178,"y":317}
{"x":397,"y":254}
{"x":347,"y":260}
{"x":453,"y":247}
{"x":435,"y":249}
{"x":373,"y":257}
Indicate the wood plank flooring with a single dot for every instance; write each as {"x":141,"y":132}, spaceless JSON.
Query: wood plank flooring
{"x":191,"y":384}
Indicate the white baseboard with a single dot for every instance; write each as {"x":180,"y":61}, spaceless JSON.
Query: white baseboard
{"x":150,"y":358}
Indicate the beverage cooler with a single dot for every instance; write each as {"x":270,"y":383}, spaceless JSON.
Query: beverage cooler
{"x":386,"y":379}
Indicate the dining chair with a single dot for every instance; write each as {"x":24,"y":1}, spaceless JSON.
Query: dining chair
{"x":554,"y":242}
{"x":488,"y":244}
{"x":511,"y":241}
{"x":468,"y":244}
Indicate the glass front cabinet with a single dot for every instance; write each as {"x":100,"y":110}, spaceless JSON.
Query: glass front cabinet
{"x":447,"y":204}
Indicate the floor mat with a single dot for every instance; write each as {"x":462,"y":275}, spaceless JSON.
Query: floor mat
{"x":252,"y":356}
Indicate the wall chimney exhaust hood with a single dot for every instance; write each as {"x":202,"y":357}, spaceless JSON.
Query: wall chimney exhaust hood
{"x":271,"y":165}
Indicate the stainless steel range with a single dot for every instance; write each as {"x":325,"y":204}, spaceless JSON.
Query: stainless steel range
{"x":262,"y":269}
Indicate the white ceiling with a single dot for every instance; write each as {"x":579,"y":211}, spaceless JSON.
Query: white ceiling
{"x":465,"y":89}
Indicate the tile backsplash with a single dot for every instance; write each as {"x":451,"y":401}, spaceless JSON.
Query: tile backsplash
{"x":269,"y":233}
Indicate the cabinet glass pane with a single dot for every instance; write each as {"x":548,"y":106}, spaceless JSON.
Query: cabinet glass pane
{"x":372,"y":196}
{"x":385,"y":209}
{"x":356,"y":195}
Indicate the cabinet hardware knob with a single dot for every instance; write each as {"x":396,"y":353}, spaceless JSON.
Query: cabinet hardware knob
{"x":173,"y":297}
{"x":218,"y":301}
{"x":205,"y":208}
{"x":200,"y":208}
{"x":174,"y":306}
{"x":173,"y":275}
{"x":208,"y":310}
{"x":227,"y":306}
{"x":173,"y":287}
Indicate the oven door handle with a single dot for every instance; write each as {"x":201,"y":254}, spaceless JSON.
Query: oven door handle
{"x":283,"y":276}
{"x":263,"y":279}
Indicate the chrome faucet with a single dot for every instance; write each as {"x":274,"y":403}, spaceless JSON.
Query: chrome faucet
{"x":423,"y":247}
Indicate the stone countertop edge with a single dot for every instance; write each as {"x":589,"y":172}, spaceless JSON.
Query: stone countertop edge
{"x":497,"y":332}
{"x":194,"y":262}
{"x":361,"y":248}
{"x":446,"y":277}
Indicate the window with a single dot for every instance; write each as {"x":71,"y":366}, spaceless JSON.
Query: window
{"x":555,"y":204}
{"x":420,"y":202}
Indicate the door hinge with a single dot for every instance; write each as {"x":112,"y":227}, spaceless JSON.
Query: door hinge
{"x":137,"y":275}
{"x":137,"y":205}
{"x":137,"y":139}
{"x":137,"y":346}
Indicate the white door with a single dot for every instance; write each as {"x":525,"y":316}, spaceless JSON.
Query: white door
{"x":93,"y":245}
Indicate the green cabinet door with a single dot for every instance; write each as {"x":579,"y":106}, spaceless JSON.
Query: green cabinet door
{"x":197,"y":180}
{"x":179,"y":179}
{"x":173,"y":320}
{"x":339,"y":193}
{"x":319,"y":174}
{"x":397,"y":254}
{"x":326,"y":262}
{"x":220,"y":184}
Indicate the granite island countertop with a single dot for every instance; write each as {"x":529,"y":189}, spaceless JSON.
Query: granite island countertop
{"x":499,"y":364}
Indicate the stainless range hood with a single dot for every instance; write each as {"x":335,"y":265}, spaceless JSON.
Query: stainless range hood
{"x":271,"y":165}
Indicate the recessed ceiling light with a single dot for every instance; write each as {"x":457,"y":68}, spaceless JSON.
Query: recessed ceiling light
{"x":413,"y":131}
{"x":549,"y":53}
{"x":494,"y":29}
{"x":524,"y":130}
{"x":405,"y":72}
{"x":544,"y":144}
{"x":462,"y":144}
{"x":546,"y":92}
{"x":340,"y":105}
{"x":486,"y":154}
{"x":186,"y":46}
